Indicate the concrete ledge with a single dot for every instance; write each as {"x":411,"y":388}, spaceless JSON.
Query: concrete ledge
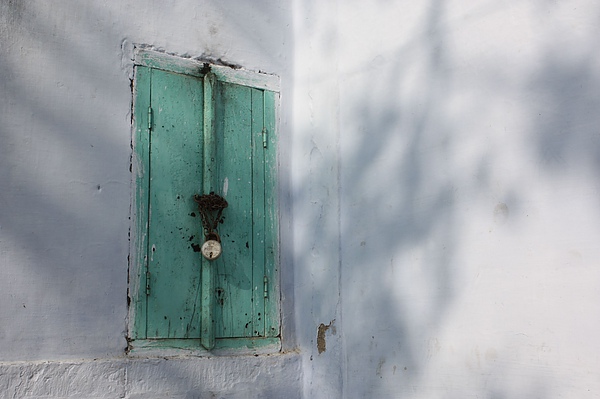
{"x":270,"y":376}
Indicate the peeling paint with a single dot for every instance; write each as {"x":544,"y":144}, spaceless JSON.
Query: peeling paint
{"x":321,"y":344}
{"x":225,"y":186}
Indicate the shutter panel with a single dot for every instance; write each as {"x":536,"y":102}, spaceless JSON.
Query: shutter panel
{"x":271,"y":305}
{"x":236,"y":281}
{"x":230,"y":292}
{"x":175,"y":176}
{"x":142,"y":182}
{"x":258,"y":214}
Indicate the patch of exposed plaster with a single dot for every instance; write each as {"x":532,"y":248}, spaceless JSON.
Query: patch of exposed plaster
{"x":321,"y":344}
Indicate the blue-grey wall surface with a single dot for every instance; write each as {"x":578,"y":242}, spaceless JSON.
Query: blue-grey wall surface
{"x":439,"y":214}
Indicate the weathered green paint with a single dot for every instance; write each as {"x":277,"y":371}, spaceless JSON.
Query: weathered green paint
{"x":258,"y":219}
{"x":206,"y":135}
{"x":246,"y":78}
{"x":233,"y":313}
{"x":209,"y":185}
{"x":271,"y":244}
{"x":140,"y":168}
{"x":167,"y":62}
{"x":222,"y":346}
{"x":175,"y":176}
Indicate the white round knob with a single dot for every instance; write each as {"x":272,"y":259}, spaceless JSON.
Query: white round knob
{"x":211,"y":249}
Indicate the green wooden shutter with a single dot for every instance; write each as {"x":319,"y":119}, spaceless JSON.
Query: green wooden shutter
{"x":243,"y":303}
{"x":175,"y":170}
{"x":240,"y":271}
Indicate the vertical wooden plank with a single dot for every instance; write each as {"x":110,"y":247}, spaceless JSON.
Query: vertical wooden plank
{"x":233,"y":311}
{"x":258,"y":214}
{"x":140,"y":169}
{"x":175,"y":176}
{"x":272,"y":302}
{"x":207,"y":337}
{"x":210,"y":170}
{"x":210,"y":138}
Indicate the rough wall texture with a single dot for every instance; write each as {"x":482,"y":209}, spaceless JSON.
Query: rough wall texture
{"x":65,"y":193}
{"x":223,"y":377}
{"x":439,"y":185}
{"x":450,"y":153}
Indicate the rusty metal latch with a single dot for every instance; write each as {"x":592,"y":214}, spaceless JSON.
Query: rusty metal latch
{"x":211,"y":211}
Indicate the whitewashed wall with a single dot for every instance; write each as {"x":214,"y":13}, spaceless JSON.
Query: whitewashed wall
{"x":439,"y":178}
{"x":65,"y":192}
{"x":451,"y":151}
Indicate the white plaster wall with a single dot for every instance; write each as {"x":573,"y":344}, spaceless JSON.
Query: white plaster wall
{"x":65,"y":192}
{"x":439,"y":194}
{"x":450,"y":150}
{"x":220,"y":377}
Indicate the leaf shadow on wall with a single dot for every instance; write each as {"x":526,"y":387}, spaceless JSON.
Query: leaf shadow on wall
{"x":411,"y":175}
{"x":65,"y":173}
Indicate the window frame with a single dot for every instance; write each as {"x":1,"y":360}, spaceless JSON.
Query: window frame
{"x":139,"y":219}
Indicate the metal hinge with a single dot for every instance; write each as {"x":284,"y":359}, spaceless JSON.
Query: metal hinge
{"x":149,"y":118}
{"x":264,"y":138}
{"x":147,"y":283}
{"x":266,"y":286}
